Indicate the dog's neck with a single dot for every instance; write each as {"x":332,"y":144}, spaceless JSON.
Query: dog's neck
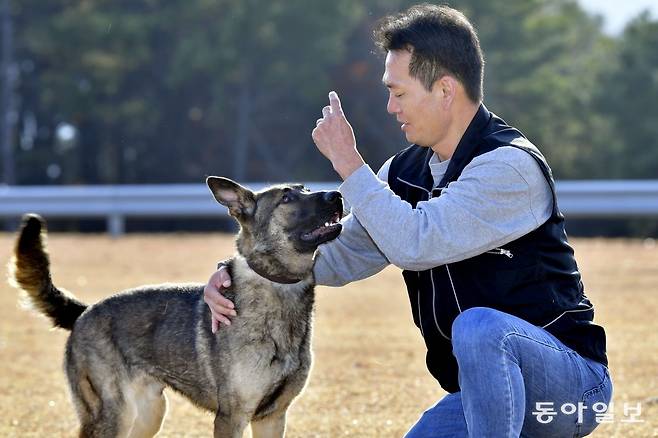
{"x":266,"y":271}
{"x":270,"y":267}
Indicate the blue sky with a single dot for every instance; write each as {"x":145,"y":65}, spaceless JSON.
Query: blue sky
{"x":617,"y":13}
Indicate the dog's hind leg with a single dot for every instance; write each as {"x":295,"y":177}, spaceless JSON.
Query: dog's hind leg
{"x":97,"y":388}
{"x":108,"y":424}
{"x":98,"y":416}
{"x":272,"y":426}
{"x":146,"y":397}
{"x":102,"y":412}
{"x":132,"y":409}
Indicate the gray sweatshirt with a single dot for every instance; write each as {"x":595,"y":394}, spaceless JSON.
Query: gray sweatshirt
{"x":500,"y":196}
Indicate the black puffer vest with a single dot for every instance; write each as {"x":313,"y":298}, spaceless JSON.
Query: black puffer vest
{"x":534,"y":277}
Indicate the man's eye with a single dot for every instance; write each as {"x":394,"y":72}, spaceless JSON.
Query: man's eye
{"x":399,"y":95}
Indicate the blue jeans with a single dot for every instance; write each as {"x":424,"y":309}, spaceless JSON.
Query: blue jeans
{"x":506,"y":367}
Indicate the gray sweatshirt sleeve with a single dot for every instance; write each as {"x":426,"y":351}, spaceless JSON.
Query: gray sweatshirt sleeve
{"x":353,"y":255}
{"x":499,"y":197}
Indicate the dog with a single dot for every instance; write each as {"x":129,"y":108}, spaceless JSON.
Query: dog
{"x":124,"y":350}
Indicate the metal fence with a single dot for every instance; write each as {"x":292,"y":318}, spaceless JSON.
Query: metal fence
{"x":116,"y":203}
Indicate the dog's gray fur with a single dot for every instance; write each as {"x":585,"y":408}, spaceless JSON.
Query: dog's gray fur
{"x":124,"y":350}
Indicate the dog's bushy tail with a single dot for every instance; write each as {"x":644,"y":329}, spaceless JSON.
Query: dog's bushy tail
{"x":29,"y":271}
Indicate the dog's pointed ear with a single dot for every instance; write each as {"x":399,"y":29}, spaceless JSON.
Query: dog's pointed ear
{"x":240,"y":201}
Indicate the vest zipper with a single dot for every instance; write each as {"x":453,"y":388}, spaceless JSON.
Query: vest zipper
{"x":420,"y":318}
{"x":436,"y":321}
{"x":459,"y":307}
{"x":501,"y":251}
{"x":429,"y":194}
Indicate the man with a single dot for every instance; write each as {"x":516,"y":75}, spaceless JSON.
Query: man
{"x":469,"y":212}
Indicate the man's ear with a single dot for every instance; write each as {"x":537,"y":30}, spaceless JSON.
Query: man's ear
{"x":446,"y":88}
{"x":240,"y":201}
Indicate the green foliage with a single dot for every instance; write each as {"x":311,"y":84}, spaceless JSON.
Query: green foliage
{"x":167,"y":91}
{"x":628,"y":97}
{"x":156,"y":85}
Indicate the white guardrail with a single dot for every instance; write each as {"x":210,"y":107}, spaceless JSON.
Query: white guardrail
{"x":582,"y":199}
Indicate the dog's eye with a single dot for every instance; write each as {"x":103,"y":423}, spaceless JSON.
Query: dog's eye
{"x":286,"y":198}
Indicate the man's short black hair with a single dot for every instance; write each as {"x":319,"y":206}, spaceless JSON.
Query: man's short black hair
{"x":441,"y":41}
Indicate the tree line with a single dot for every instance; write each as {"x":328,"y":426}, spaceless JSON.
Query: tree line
{"x":149,"y":91}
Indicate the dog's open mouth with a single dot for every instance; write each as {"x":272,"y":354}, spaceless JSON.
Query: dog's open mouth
{"x":328,"y":228}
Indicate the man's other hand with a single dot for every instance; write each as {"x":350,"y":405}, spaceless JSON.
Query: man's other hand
{"x":220,"y":307}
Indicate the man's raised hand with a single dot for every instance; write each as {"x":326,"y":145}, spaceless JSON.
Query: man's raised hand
{"x":334,"y":137}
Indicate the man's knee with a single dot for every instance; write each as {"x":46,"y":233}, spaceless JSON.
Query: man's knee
{"x":476,"y":327}
{"x":477,"y":320}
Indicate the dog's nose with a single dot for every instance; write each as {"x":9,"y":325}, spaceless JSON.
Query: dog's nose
{"x":332,"y":196}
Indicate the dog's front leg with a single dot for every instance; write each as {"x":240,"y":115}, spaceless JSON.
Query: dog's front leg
{"x":272,"y":426}
{"x":230,"y":426}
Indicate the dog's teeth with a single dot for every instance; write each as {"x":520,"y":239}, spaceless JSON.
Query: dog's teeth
{"x":326,"y":224}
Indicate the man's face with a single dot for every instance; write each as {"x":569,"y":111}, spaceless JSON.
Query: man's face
{"x":423,"y":114}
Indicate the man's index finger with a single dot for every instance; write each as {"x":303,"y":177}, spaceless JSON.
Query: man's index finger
{"x":334,"y":101}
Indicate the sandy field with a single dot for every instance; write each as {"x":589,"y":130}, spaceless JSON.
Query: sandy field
{"x":368,"y":378}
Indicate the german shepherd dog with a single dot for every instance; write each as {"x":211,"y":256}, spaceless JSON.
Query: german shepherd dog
{"x":124,"y":350}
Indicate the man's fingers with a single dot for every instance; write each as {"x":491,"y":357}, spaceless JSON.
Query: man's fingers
{"x":224,"y":277}
{"x":223,"y":310}
{"x":212,"y":294}
{"x":218,"y":302}
{"x":219,"y":282}
{"x":334,"y":102}
{"x":219,"y":307}
{"x":334,"y":106}
{"x":220,"y":318}
{"x":318,"y":121}
{"x":223,"y":301}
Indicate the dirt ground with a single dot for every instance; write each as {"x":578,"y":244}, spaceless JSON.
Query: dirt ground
{"x":368,"y":378}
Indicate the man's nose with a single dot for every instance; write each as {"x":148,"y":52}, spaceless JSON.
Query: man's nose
{"x":391,"y":106}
